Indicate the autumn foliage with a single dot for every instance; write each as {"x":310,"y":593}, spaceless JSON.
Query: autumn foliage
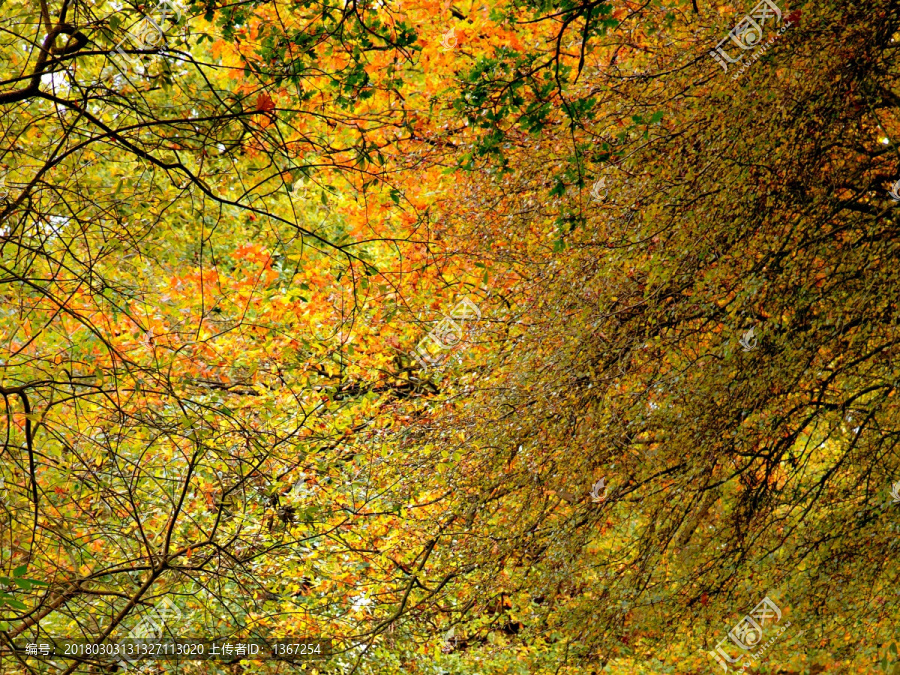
{"x":225,"y":245}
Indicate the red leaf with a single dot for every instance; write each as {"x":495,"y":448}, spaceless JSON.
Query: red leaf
{"x":264,"y":103}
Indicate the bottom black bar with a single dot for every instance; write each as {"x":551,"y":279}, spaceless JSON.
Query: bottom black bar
{"x":189,"y":649}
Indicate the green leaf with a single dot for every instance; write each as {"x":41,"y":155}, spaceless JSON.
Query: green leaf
{"x":558,"y":190}
{"x":9,"y":600}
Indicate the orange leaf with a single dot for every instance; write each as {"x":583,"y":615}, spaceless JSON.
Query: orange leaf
{"x":264,"y":103}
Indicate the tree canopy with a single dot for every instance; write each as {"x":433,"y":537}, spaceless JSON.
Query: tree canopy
{"x":495,"y":337}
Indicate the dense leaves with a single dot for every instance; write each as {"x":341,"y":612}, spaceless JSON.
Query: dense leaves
{"x":663,"y":298}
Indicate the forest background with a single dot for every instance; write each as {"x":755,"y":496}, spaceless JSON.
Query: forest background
{"x":517,"y":337}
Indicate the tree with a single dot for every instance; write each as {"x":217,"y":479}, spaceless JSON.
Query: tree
{"x":185,"y":269}
{"x":667,"y":409}
{"x":733,"y":470}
